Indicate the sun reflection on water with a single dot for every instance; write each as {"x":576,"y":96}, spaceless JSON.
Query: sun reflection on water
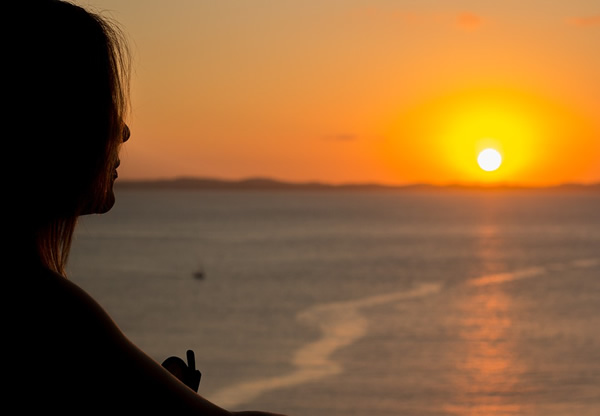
{"x":487,"y":377}
{"x":487,"y":374}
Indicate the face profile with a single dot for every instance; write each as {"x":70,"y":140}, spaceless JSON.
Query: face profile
{"x":69,"y":100}
{"x":109,"y":199}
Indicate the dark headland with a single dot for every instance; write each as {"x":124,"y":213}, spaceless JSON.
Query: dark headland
{"x":267,"y":184}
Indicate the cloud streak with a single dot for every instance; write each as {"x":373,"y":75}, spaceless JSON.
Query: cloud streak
{"x":342,"y":137}
{"x":466,"y":20}
{"x":469,"y":21}
{"x":585,"y":21}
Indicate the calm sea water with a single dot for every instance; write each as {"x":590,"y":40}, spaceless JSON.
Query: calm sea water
{"x":360,"y":303}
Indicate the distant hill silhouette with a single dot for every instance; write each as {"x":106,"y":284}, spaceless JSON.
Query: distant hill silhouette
{"x":272,"y":184}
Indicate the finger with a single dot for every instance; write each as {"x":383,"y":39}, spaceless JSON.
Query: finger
{"x":194,"y":380}
{"x":191,"y":359}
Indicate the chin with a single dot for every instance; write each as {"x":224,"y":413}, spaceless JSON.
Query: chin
{"x":102,"y":205}
{"x":108,"y":203}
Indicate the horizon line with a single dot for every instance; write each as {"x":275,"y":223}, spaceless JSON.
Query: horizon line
{"x":262,"y":182}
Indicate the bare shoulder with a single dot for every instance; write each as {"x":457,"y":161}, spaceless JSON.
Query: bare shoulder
{"x":75,"y":355}
{"x":81,"y":309}
{"x":74,"y":318}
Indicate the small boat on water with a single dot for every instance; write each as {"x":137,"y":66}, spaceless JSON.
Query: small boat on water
{"x":199,"y":273}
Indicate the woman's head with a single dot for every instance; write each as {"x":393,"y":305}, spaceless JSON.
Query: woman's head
{"x":67,"y":89}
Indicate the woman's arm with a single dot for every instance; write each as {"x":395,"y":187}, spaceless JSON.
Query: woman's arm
{"x":143,"y":383}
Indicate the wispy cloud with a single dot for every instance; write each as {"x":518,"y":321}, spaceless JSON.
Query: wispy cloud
{"x":585,"y":21}
{"x":469,"y":21}
{"x":466,"y":20}
{"x":342,"y":137}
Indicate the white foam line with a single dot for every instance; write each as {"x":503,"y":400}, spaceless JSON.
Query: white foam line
{"x":585,"y":263}
{"x":340,"y":323}
{"x":497,"y":278}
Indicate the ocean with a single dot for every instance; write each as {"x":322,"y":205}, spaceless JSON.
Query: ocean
{"x":373,"y":303}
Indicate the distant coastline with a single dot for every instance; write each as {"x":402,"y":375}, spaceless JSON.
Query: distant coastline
{"x":267,"y":184}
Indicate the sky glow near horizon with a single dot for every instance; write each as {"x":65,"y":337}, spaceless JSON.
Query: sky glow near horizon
{"x":382,"y":91}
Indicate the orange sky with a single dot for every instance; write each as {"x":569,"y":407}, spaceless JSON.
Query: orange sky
{"x":360,"y":91}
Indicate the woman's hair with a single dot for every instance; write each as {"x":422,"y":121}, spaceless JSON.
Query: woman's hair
{"x":67,"y":96}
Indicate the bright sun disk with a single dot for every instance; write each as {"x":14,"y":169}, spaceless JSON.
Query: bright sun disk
{"x":489,"y":159}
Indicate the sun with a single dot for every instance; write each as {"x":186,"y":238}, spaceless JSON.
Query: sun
{"x":489,"y":159}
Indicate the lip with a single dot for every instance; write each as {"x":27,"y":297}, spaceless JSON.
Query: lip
{"x":115,"y":173}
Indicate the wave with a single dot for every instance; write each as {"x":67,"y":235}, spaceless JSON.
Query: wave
{"x":343,"y":323}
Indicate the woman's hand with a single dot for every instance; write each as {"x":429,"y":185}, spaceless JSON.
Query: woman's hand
{"x":186,"y":373}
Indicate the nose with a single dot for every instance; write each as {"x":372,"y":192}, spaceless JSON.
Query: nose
{"x":126,"y":133}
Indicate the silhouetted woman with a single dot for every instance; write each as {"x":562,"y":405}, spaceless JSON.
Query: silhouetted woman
{"x":64,"y":94}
